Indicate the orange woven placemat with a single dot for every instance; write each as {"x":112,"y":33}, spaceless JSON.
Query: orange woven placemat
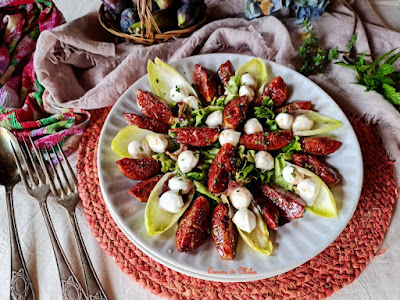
{"x":334,"y":268}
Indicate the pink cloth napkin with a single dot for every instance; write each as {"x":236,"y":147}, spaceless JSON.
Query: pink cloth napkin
{"x":24,"y":108}
{"x":81,"y":68}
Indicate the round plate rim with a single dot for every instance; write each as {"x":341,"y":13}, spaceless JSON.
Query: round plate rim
{"x":219,"y":277}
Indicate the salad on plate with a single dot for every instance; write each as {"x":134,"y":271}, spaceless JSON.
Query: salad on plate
{"x":226,"y":156}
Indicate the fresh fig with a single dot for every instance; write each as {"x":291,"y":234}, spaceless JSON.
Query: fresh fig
{"x":128,"y":18}
{"x":193,"y":1}
{"x":116,"y":7}
{"x":165,"y":19}
{"x":163,"y":4}
{"x":190,"y":14}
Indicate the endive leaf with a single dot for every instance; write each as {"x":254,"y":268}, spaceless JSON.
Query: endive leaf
{"x":126,"y":135}
{"x":258,"y":239}
{"x":324,"y":205}
{"x":322,"y":124}
{"x":163,"y":78}
{"x":158,"y":220}
{"x":257,"y":69}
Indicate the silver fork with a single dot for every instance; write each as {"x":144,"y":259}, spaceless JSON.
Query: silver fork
{"x":39,"y":189}
{"x":68,"y":197}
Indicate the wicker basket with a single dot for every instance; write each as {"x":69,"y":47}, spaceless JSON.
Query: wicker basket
{"x":150,"y":33}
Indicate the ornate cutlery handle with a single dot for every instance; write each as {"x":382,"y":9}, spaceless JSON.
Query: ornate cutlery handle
{"x":20,"y":285}
{"x":93,"y":287}
{"x":70,"y":287}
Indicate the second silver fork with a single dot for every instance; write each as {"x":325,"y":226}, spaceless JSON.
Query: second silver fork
{"x":68,"y":197}
{"x":38,"y":189}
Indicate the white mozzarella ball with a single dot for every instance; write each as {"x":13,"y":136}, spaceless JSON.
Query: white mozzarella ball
{"x":252,"y":126}
{"x":308,"y":190}
{"x":246,"y":91}
{"x":245,"y":220}
{"x":229,"y":136}
{"x":187,"y":160}
{"x":264,"y":160}
{"x":248,"y":80}
{"x":214,"y":119}
{"x":158,"y":142}
{"x":193,"y":102}
{"x":291,"y":175}
{"x":240,"y":197}
{"x":171,"y":201}
{"x":284,"y":121}
{"x":139,"y":149}
{"x":178,"y":93}
{"x":180,"y":184}
{"x":302,"y":123}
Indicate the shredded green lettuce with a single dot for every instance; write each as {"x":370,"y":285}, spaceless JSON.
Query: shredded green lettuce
{"x":209,"y":154}
{"x":184,"y":123}
{"x":200,"y":115}
{"x":266,"y":117}
{"x":167,"y":163}
{"x":202,"y":189}
{"x":232,"y":88}
{"x":293,"y":146}
{"x":246,"y":170}
{"x":220,"y":101}
{"x":280,"y":163}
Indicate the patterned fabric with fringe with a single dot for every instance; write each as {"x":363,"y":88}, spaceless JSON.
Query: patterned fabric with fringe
{"x":26,"y":109}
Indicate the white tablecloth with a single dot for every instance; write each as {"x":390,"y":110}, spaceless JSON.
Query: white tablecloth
{"x":380,"y":280}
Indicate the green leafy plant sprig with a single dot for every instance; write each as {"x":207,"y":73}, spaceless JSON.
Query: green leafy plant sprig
{"x":379,"y":76}
{"x":315,"y":58}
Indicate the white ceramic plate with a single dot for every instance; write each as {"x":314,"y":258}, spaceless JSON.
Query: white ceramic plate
{"x":294,"y":243}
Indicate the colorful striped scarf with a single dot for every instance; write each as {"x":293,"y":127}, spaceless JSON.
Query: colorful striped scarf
{"x":26,"y":109}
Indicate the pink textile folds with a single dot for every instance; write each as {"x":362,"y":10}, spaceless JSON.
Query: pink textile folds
{"x":24,"y":105}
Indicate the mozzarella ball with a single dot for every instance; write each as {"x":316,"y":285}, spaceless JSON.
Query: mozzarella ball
{"x":193,"y":102}
{"x":214,"y":119}
{"x":252,"y":126}
{"x":158,"y":142}
{"x":180,"y":184}
{"x":139,"y":149}
{"x":264,"y":160}
{"x":308,"y":190}
{"x":229,"y":136}
{"x":187,"y":160}
{"x":291,"y":175}
{"x":302,"y":122}
{"x":246,"y":91}
{"x":284,"y":121}
{"x":171,"y":201}
{"x":245,"y":220}
{"x":248,"y":80}
{"x":240,"y":197}
{"x":178,"y":93}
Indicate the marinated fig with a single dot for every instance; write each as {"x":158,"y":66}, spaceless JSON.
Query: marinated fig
{"x":206,"y":82}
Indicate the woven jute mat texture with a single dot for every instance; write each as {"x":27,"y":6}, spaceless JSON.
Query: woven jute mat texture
{"x":331,"y":270}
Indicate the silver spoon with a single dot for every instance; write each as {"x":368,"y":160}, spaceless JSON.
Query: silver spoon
{"x":20,"y":285}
